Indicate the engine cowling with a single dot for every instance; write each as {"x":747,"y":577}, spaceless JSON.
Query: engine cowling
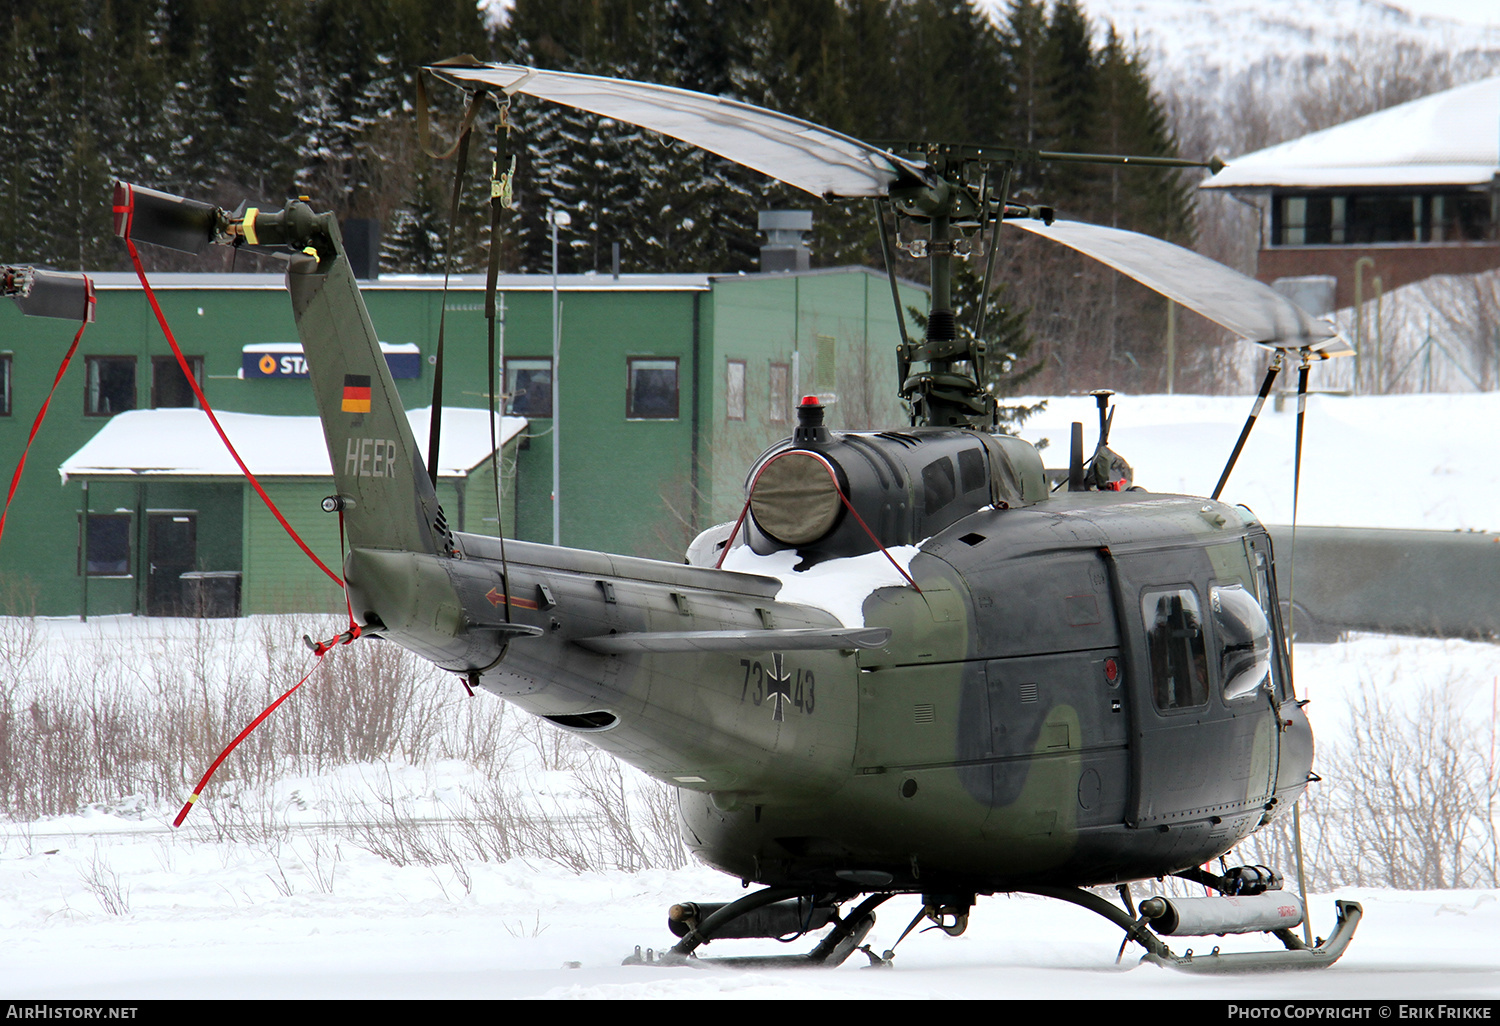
{"x":830,"y":494}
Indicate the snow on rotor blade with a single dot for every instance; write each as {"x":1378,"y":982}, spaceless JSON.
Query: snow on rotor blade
{"x":800,"y":153}
{"x":1250,"y":308}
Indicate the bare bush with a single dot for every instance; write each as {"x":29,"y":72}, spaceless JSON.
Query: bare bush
{"x":133,"y":723}
{"x":106,"y":887}
{"x":1409,"y":801}
{"x":147,"y":715}
{"x":639,"y":816}
{"x":607,"y":817}
{"x":1438,"y":335}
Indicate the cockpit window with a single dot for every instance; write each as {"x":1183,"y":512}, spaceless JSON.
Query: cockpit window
{"x":938,"y":485}
{"x":1244,"y":641}
{"x":1174,"y":637}
{"x":971,"y":470}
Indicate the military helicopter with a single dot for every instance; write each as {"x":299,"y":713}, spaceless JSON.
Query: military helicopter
{"x":992,"y":685}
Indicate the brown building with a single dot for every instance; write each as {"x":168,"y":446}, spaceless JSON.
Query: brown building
{"x":1399,"y":195}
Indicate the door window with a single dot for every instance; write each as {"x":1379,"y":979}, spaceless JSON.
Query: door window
{"x":1174,"y":638}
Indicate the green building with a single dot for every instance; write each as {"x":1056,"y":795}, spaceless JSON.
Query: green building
{"x":668,"y":385}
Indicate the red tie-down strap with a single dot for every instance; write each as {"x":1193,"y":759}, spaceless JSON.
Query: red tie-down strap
{"x":36,"y":425}
{"x":192,"y":379}
{"x":319,"y":649}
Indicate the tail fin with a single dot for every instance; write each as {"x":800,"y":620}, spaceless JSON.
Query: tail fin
{"x":382,"y":486}
{"x":378,"y":472}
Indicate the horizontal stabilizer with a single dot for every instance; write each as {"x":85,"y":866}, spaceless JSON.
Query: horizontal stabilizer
{"x":1249,"y":308}
{"x":741,"y":641}
{"x":800,"y":153}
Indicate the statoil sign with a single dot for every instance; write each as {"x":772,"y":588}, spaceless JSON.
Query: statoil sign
{"x":285,"y":360}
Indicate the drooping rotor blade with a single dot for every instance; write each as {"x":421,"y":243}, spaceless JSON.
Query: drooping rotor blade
{"x":800,"y":153}
{"x":1251,"y":309}
{"x":49,"y":293}
{"x":1435,"y":584}
{"x":145,"y":215}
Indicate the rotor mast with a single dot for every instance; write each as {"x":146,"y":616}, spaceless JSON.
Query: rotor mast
{"x":950,"y":392}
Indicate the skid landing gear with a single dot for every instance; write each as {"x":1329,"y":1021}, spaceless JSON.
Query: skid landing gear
{"x":1177,"y":917}
{"x":1250,"y":900}
{"x":773,"y":912}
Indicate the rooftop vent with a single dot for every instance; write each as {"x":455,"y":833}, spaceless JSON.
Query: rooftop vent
{"x":785,"y":248}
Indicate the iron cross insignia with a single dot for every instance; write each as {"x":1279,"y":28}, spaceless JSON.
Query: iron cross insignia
{"x":778,"y":683}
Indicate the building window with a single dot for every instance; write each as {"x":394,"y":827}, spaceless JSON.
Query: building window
{"x":781,"y":391}
{"x":1174,"y":637}
{"x":108,"y":545}
{"x":1357,"y":219}
{"x":111,"y":385}
{"x":1460,"y":217}
{"x":170,"y":388}
{"x":651,"y":389}
{"x":734,"y":390}
{"x":4,"y":384}
{"x":528,"y":387}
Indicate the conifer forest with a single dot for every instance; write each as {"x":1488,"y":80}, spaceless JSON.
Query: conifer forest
{"x":237,"y":101}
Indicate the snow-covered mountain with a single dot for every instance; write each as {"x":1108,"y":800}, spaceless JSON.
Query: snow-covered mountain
{"x":1213,"y":39}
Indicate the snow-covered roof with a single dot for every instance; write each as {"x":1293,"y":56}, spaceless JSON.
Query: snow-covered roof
{"x":182,"y":443}
{"x":1450,"y":138}
{"x":169,"y":280}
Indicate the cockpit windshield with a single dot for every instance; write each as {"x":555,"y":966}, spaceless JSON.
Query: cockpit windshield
{"x":1244,"y":640}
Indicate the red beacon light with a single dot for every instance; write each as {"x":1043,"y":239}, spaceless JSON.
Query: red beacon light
{"x":810,"y":429}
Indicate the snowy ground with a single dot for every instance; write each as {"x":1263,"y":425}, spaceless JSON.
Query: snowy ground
{"x":204,"y":922}
{"x":208,"y":920}
{"x":105,"y":906}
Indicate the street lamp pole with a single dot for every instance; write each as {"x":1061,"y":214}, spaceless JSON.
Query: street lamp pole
{"x":556,"y":218}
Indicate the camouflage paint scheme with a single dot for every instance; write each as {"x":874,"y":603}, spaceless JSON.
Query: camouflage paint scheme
{"x":985,"y":745}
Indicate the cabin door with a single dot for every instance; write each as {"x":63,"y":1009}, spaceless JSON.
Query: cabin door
{"x":1194,"y":751}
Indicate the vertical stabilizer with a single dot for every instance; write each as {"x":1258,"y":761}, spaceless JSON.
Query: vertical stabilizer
{"x":378,"y":471}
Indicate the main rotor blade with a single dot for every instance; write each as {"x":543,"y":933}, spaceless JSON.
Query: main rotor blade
{"x":800,"y":153}
{"x":1251,"y":309}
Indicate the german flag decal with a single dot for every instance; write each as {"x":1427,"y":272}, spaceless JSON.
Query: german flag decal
{"x":356,"y":393}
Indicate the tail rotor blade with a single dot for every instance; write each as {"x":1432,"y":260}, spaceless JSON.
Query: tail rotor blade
{"x":145,"y":215}
{"x":49,"y":293}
